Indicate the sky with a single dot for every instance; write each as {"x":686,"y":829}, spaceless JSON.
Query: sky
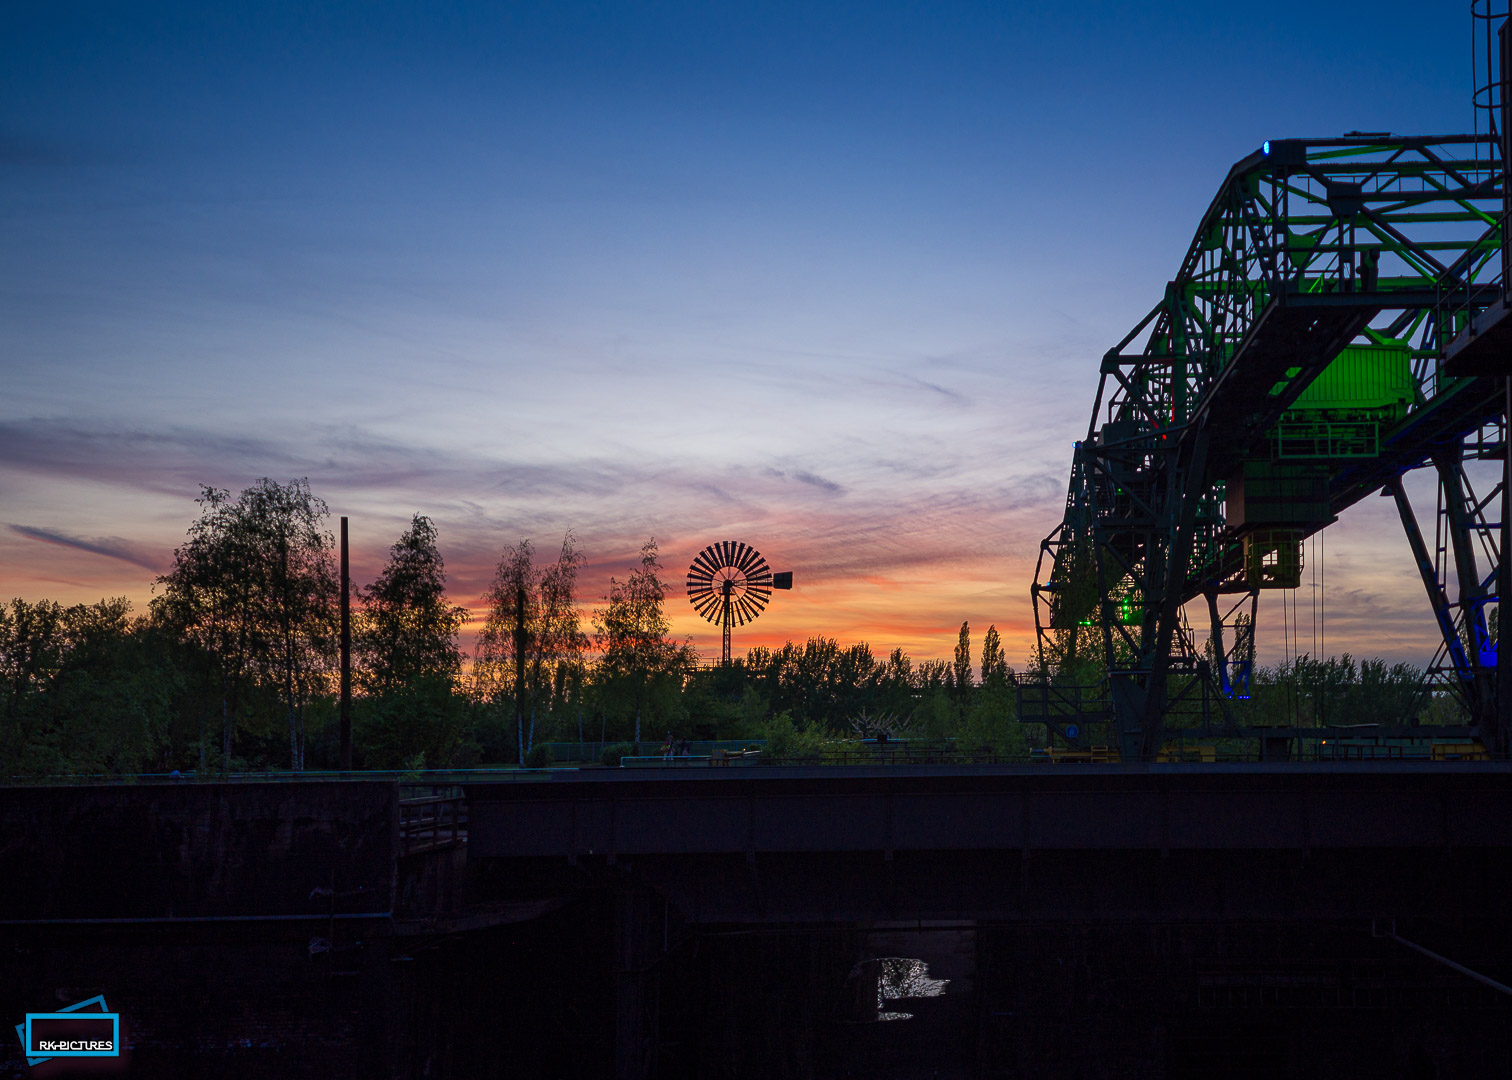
{"x":830,"y":279}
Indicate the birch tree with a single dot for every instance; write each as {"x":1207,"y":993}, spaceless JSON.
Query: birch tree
{"x":254,"y":586}
{"x":532,"y":629}
{"x":640,"y":668}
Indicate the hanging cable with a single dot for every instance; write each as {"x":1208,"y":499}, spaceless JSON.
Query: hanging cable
{"x":1313,"y":655}
{"x":1313,"y":568}
{"x":1287,"y":617}
{"x":1285,"y":630}
{"x":1291,"y":713}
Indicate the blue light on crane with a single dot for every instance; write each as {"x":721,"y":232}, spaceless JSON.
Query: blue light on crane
{"x":1265,"y":148}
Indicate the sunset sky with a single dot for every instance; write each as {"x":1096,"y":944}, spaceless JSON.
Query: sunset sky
{"x":831,"y":279}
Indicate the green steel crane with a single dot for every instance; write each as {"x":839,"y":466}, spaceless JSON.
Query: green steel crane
{"x":1337,"y":321}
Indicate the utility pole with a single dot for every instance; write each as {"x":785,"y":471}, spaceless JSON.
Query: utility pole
{"x":521,"y":639}
{"x":346,"y":653}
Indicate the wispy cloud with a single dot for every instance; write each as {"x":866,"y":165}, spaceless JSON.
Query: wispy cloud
{"x":803,"y":476}
{"x":952,"y":396}
{"x":936,"y":520}
{"x":113,"y":547}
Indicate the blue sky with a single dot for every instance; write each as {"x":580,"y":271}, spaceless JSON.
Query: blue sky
{"x":830,"y":279}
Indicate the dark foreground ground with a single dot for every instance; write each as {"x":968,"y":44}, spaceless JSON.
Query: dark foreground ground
{"x":293,"y":931}
{"x":538,"y":999}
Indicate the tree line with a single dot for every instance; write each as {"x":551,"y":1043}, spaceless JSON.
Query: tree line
{"x":233,"y":666}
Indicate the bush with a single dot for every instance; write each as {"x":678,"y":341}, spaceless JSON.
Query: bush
{"x":615,"y":751}
{"x":785,"y":741}
{"x":539,"y":757}
{"x":991,"y":726}
{"x":427,"y":718}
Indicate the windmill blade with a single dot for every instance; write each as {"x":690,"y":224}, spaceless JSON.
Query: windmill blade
{"x":708,"y":607}
{"x":726,"y":553}
{"x":747,"y":558}
{"x":698,"y":573}
{"x":707,"y":561}
{"x":696,"y":593}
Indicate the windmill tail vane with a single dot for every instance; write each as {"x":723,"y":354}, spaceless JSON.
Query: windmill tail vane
{"x":730,"y":583}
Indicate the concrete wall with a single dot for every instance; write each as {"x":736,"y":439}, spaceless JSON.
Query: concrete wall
{"x":196,"y":850}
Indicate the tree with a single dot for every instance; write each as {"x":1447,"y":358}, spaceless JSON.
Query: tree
{"x":504,"y":646}
{"x":85,"y":688}
{"x":408,"y":658}
{"x":963,"y":661}
{"x":111,"y":705}
{"x":206,"y":602}
{"x":820,"y":682}
{"x":406,"y":632}
{"x":932,"y":675}
{"x":563,"y":641}
{"x":994,"y":666}
{"x":32,"y":647}
{"x":255,"y":588}
{"x":640,"y":667}
{"x":532,"y":629}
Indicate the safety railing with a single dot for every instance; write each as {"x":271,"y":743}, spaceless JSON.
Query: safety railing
{"x":1042,"y":701}
{"x":432,"y":822}
{"x":1459,"y":303}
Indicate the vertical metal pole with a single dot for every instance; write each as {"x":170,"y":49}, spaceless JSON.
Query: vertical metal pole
{"x":1506,"y":153}
{"x":1503,"y":730}
{"x":346,"y":653}
{"x":1504,"y":557}
{"x":520,"y":638}
{"x":726,"y":619}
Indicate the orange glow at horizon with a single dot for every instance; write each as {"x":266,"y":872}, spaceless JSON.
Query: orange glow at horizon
{"x":889,"y":590}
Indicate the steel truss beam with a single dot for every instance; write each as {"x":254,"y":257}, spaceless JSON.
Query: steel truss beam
{"x":1309,"y":247}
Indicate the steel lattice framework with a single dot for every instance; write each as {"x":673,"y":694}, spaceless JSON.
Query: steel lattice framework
{"x":1295,"y":364}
